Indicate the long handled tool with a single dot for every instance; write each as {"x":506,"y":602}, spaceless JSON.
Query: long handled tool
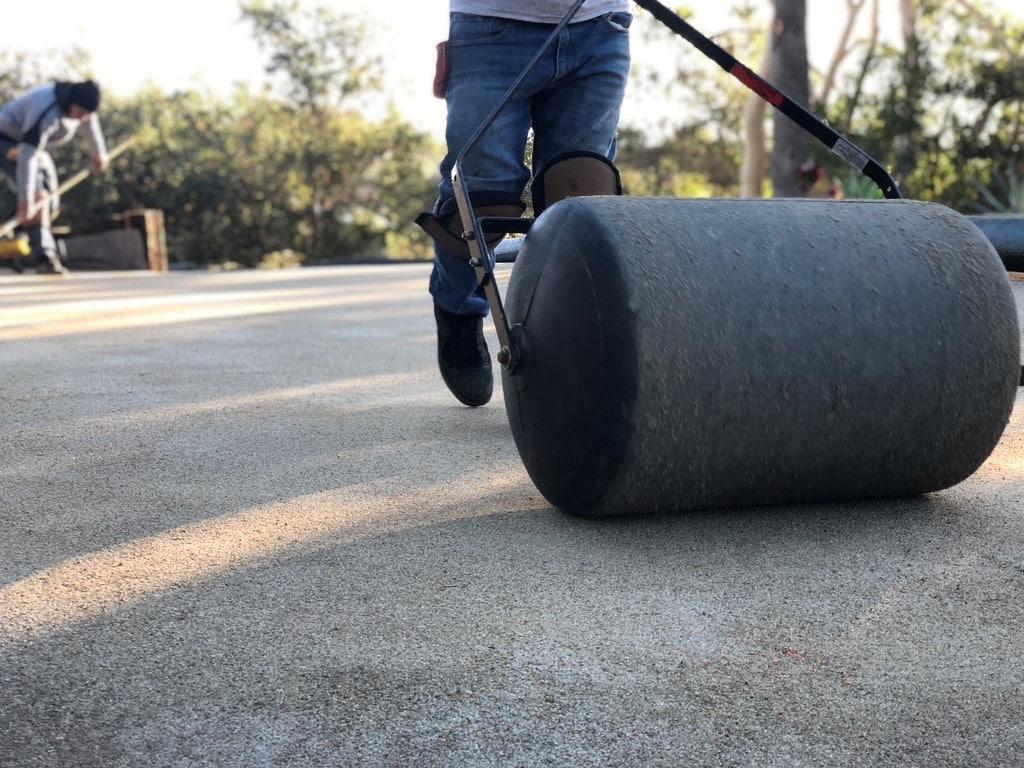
{"x":483,"y":259}
{"x":11,"y":224}
{"x":840,"y":146}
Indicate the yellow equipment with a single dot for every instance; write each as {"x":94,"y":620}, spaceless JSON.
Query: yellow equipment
{"x":14,"y":247}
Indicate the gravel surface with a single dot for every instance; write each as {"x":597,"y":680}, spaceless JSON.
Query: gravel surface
{"x":242,"y":523}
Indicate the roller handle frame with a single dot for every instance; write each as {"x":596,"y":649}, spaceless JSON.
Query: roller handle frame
{"x":835,"y":141}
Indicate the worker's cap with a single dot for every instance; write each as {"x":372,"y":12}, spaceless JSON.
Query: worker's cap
{"x":86,"y":95}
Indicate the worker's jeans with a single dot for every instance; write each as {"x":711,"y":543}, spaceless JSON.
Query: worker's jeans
{"x":571,"y":99}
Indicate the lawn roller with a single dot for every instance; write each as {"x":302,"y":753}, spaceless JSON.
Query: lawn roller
{"x":662,"y":355}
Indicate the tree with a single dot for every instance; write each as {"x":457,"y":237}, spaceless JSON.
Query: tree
{"x":323,"y":62}
{"x":321,"y":56}
{"x":947,"y":113}
{"x":791,"y":146}
{"x":907,"y":106}
{"x":696,"y":149}
{"x":231,"y":176}
{"x":754,"y":108}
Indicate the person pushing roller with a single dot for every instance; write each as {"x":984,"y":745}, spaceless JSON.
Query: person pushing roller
{"x":570,"y":101}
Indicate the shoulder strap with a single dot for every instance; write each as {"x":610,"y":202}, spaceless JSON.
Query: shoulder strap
{"x":31,"y":136}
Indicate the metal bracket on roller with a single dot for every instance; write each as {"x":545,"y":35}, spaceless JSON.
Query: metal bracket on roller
{"x":482,"y":261}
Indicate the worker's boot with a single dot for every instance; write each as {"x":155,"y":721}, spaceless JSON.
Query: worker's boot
{"x":44,"y":247}
{"x":463,"y":357}
{"x":48,"y":263}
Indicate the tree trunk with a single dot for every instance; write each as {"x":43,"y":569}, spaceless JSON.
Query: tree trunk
{"x":865,"y":67}
{"x":843,"y":49}
{"x":752,"y":169}
{"x":789,"y":65}
{"x":907,"y":122}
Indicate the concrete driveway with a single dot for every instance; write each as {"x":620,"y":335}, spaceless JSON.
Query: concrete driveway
{"x":242,"y":523}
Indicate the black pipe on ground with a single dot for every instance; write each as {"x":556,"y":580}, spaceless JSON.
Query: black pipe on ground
{"x":1006,"y":233}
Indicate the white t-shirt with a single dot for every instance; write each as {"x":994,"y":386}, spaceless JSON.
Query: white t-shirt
{"x":541,"y":11}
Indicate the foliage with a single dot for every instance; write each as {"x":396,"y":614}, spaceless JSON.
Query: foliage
{"x":241,"y":179}
{"x":1005,"y":193}
{"x":300,"y":172}
{"x":694,"y":150}
{"x":281,"y":260}
{"x":939,"y":114}
{"x":246,"y":179}
{"x":321,"y":56}
{"x":857,"y":186}
{"x":692,"y":162}
{"x":964,"y":112}
{"x":20,"y":71}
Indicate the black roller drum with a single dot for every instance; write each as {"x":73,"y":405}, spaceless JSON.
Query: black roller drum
{"x":694,"y":354}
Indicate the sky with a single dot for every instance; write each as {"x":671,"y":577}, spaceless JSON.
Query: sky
{"x":203,"y":44}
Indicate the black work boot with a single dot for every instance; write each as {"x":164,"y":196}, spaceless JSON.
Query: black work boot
{"x":463,"y":357}
{"x":48,"y":263}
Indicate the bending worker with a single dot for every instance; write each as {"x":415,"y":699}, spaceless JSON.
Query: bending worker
{"x":46,"y":116}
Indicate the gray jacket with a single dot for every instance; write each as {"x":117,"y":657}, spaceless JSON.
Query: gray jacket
{"x":36,"y":121}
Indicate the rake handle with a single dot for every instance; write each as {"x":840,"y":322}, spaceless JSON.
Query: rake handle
{"x":11,"y":224}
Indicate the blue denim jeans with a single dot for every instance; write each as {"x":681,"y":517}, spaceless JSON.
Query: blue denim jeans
{"x":570,"y":99}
